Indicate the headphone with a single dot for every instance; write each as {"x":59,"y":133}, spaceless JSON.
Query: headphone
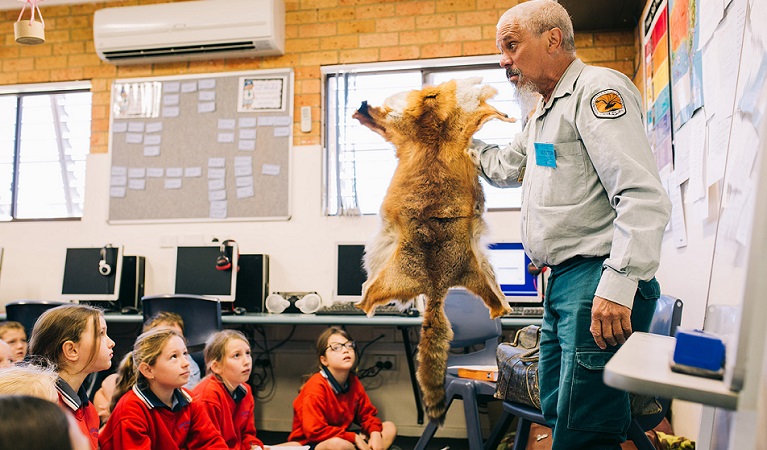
{"x":334,"y":383}
{"x":222,"y":261}
{"x":104,"y":268}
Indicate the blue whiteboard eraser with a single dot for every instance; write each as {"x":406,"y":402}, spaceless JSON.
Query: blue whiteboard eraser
{"x":697,"y":348}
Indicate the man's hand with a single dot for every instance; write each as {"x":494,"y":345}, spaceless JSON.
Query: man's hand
{"x":610,"y":322}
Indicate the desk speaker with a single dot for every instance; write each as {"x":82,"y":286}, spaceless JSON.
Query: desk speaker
{"x":252,"y":282}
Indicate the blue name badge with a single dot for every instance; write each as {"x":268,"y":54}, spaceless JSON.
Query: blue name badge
{"x":545,"y":155}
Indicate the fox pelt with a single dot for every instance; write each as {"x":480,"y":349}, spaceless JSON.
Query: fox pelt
{"x":431,"y":216}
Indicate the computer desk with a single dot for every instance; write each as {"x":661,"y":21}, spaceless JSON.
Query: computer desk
{"x":402,"y":323}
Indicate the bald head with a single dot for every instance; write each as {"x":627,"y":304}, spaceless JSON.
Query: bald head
{"x":539,"y":16}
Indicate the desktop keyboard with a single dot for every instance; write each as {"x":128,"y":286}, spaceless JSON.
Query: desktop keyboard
{"x":525,"y":311}
{"x":348,"y":309}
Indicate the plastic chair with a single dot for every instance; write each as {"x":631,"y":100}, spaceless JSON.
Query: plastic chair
{"x":202,"y":315}
{"x":26,"y":312}
{"x":472,"y":326}
{"x":666,"y":319}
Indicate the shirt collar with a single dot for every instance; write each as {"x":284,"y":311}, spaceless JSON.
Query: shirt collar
{"x":566,"y":84}
{"x":239,"y":392}
{"x":72,"y":399}
{"x":180,"y":398}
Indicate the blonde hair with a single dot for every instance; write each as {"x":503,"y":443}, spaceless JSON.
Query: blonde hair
{"x":29,"y":379}
{"x":61,"y":324}
{"x":147,"y":349}
{"x":11,"y":325}
{"x":163,"y":317}
{"x":215,"y":346}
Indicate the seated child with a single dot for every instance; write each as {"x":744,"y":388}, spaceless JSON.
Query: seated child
{"x":13,"y":333}
{"x":103,"y":397}
{"x":333,"y":399}
{"x":153,"y":411}
{"x":74,"y":338}
{"x":225,"y":392}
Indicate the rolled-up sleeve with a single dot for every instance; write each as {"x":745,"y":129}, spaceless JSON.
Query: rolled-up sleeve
{"x":502,"y":167}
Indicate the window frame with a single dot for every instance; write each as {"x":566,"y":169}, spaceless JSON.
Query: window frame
{"x":25,"y":90}
{"x":426,"y":66}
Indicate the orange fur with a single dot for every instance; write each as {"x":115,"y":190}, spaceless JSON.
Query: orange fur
{"x":431,"y":216}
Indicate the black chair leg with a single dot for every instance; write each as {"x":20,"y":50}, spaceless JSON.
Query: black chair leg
{"x":637,"y":435}
{"x":523,"y":434}
{"x":499,"y":431}
{"x":430,"y":430}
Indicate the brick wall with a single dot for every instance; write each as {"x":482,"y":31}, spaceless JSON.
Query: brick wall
{"x":318,"y":32}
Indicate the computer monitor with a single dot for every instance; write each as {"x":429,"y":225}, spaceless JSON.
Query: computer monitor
{"x":92,"y":274}
{"x":510,"y":263}
{"x":349,"y":272}
{"x":197,"y":273}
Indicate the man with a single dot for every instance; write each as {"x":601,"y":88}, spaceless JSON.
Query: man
{"x":593,"y":210}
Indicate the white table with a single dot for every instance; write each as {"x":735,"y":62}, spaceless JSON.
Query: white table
{"x":641,"y":366}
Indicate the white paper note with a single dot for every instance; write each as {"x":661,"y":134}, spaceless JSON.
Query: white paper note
{"x":153,"y":139}
{"x":216,"y":173}
{"x":247,"y":122}
{"x":136,"y":172}
{"x":270,"y":169}
{"x":216,"y":162}
{"x":226,"y":124}
{"x":173,"y":183}
{"x":188,"y":86}
{"x":138,"y":184}
{"x":170,"y":111}
{"x":225,"y":138}
{"x":117,"y":191}
{"x":153,"y":127}
{"x":174,"y":172}
{"x":155,"y":172}
{"x":191,"y":172}
{"x":206,"y":107}
{"x":247,"y":145}
{"x":151,"y":150}
{"x":119,"y":127}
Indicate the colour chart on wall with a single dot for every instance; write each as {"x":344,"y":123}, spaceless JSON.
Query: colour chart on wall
{"x":206,"y":147}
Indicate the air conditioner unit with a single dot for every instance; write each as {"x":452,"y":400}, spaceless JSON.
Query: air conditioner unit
{"x":183,"y":31}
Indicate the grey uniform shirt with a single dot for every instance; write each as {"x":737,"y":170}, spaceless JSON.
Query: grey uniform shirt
{"x":604,"y":197}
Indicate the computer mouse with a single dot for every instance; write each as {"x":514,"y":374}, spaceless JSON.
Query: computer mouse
{"x":128,"y":310}
{"x":240,"y":310}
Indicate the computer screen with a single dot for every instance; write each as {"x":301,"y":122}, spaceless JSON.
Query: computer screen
{"x":92,"y":274}
{"x":349,"y":272}
{"x":196,"y":272}
{"x":510,"y":263}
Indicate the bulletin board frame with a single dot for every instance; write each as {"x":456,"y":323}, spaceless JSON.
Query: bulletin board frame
{"x":183,"y":150}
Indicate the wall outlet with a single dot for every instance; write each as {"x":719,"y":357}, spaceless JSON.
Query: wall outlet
{"x":388,"y":362}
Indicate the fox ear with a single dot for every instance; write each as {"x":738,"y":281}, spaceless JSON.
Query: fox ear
{"x":371,"y":117}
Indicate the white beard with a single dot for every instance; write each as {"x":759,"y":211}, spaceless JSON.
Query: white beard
{"x":527,"y":97}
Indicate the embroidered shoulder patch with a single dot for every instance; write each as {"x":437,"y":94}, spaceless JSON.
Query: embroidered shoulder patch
{"x":608,"y":104}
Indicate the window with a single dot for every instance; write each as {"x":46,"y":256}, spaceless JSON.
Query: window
{"x":45,"y":133}
{"x":360,"y":163}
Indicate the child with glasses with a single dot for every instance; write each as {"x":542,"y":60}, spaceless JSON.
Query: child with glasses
{"x":333,"y":400}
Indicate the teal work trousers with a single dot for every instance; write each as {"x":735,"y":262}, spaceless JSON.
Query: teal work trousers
{"x":582,"y":411}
